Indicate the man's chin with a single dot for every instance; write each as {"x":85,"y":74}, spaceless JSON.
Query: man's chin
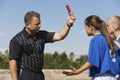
{"x":37,"y":30}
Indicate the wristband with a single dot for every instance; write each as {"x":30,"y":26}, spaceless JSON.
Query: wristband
{"x":69,"y":24}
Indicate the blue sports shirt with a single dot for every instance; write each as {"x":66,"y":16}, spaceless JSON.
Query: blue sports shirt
{"x":99,"y":56}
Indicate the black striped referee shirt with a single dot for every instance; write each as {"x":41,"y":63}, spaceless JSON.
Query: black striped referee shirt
{"x":28,"y":51}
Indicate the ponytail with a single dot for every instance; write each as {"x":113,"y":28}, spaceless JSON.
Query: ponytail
{"x":104,"y":32}
{"x":100,"y":25}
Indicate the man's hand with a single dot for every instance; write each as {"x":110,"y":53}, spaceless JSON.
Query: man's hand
{"x":71,"y":20}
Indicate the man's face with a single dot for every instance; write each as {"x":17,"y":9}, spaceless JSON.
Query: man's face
{"x":34,"y":26}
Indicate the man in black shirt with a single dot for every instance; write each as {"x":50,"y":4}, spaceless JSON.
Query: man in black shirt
{"x":27,"y":47}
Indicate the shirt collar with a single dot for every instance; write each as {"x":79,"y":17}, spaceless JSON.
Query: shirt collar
{"x":97,"y":34}
{"x":117,"y":38}
{"x":25,"y":33}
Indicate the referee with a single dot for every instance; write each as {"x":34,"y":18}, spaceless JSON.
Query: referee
{"x":27,"y":47}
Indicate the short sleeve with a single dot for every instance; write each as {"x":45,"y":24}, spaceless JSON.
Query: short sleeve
{"x":14,"y":49}
{"x":93,"y":54}
{"x":49,"y":36}
{"x":46,"y":36}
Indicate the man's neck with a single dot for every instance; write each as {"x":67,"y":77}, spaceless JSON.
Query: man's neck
{"x":29,"y":32}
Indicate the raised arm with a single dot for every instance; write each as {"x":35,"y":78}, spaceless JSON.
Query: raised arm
{"x":65,"y":30}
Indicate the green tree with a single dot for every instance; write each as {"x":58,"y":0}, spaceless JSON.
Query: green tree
{"x":4,"y":61}
{"x":1,"y":57}
{"x":47,"y":61}
{"x":81,"y":60}
{"x":62,"y":61}
{"x":71,"y":56}
{"x":63,"y":56}
{"x":55,"y":54}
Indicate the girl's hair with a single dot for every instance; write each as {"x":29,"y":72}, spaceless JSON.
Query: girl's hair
{"x":99,"y":24}
{"x":115,"y":20}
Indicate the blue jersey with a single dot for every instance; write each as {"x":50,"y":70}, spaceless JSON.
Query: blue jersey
{"x":116,"y":47}
{"x":118,"y":51}
{"x":99,"y":56}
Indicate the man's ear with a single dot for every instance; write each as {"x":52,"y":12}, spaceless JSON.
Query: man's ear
{"x":28,"y":25}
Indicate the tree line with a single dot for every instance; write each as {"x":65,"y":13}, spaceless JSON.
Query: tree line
{"x":51,"y":60}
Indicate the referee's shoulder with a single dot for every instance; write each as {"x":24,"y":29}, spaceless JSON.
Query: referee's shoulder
{"x":16,"y":36}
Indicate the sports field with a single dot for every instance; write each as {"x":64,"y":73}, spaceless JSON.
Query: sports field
{"x":50,"y":74}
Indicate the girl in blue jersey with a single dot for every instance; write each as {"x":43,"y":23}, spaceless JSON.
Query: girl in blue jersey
{"x":113,"y":26}
{"x":101,"y":56}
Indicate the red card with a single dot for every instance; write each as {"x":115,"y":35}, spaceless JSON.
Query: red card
{"x":68,"y":9}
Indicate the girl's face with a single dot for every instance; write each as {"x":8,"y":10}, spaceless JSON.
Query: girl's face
{"x":88,"y":30}
{"x":116,"y":33}
{"x":110,"y":27}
